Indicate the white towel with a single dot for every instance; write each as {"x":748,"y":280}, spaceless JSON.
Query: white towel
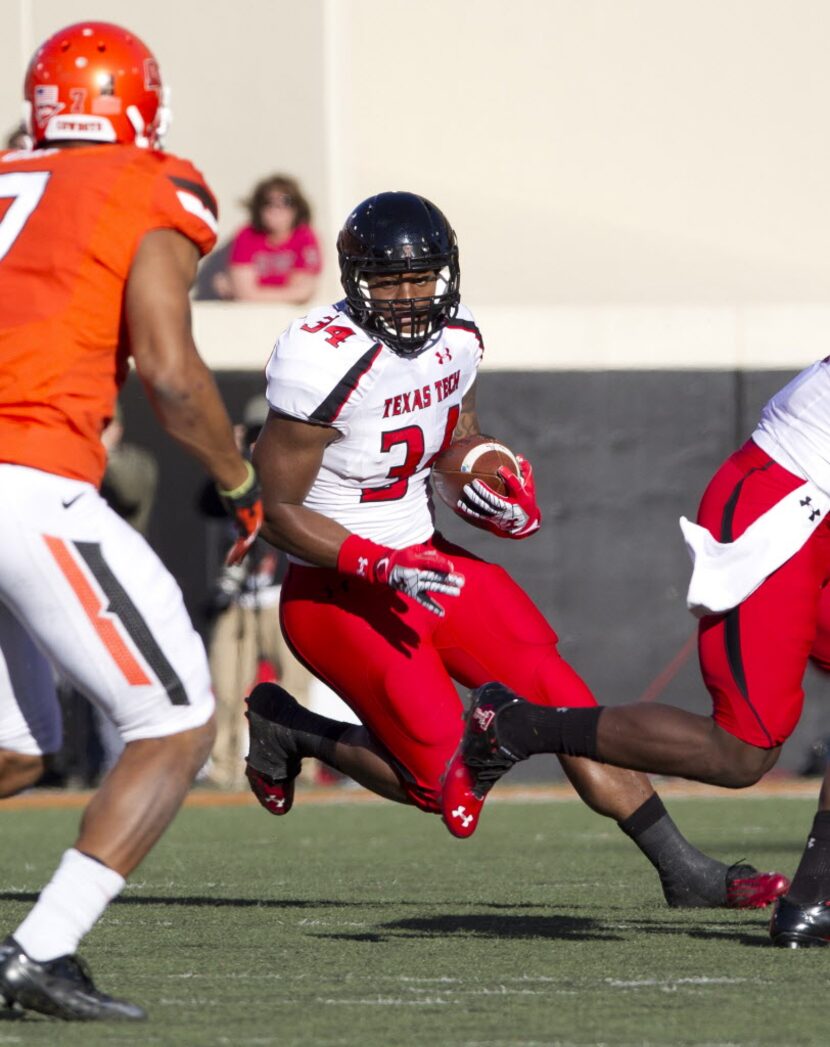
{"x":724,"y":574}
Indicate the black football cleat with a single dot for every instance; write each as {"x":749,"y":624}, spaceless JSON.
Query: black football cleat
{"x":746,"y":888}
{"x":796,"y":926}
{"x":6,"y":950}
{"x":62,"y":988}
{"x":478,"y":762}
{"x":270,"y":765}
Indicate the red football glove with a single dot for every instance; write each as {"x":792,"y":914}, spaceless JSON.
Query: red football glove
{"x":418,"y":571}
{"x":514,"y":515}
{"x":244,"y":504}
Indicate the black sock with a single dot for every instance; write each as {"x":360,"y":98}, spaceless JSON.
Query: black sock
{"x":314,"y":735}
{"x":280,"y":726}
{"x":526,"y":729}
{"x":811,"y":883}
{"x":689,"y":878}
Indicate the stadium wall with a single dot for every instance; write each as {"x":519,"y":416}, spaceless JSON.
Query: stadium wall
{"x":596,"y":152}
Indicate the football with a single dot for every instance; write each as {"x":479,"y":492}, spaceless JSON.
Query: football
{"x":476,"y":457}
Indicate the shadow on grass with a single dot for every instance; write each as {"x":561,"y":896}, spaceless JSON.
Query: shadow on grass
{"x":760,"y":939}
{"x":557,"y":928}
{"x":566,"y":927}
{"x":553,"y":928}
{"x":187,"y":900}
{"x":736,"y":931}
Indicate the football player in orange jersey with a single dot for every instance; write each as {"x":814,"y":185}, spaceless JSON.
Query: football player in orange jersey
{"x":100,"y":235}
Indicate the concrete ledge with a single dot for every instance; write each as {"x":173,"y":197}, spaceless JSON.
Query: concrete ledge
{"x":239,"y":336}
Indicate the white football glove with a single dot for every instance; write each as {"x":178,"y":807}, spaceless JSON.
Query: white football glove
{"x":418,"y":571}
{"x":514,"y":515}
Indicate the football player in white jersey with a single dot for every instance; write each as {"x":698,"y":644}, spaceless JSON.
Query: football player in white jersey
{"x":364,"y":394}
{"x":761,"y":553}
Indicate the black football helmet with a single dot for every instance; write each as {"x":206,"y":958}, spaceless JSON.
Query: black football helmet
{"x":399,"y":233}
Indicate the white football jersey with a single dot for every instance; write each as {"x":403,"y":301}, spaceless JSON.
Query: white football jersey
{"x":393,"y":414}
{"x":795,"y":425}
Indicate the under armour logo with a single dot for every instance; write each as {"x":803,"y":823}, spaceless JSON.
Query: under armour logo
{"x":483,"y":717}
{"x":461,"y":814}
{"x":274,"y":801}
{"x":806,"y":503}
{"x":443,"y":357}
{"x":362,"y":564}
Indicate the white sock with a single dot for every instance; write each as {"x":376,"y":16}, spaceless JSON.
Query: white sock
{"x":68,"y":907}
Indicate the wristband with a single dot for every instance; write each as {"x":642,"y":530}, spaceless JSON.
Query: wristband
{"x":358,"y":556}
{"x":244,"y":487}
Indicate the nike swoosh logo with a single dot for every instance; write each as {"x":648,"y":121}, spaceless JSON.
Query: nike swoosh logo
{"x":71,"y":501}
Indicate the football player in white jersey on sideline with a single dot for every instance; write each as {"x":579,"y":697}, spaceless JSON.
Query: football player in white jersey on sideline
{"x":364,"y":395}
{"x":761,"y":554}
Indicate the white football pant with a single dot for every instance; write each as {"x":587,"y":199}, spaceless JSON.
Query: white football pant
{"x":100,"y":606}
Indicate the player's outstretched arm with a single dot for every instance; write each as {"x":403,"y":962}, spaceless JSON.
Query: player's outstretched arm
{"x":178,"y":383}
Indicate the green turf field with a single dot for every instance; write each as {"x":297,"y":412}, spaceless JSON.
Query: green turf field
{"x":369,"y":925}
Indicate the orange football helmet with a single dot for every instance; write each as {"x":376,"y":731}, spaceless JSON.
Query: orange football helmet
{"x":95,"y":82}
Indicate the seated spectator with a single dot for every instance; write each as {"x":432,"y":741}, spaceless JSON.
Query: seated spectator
{"x":276,"y":257}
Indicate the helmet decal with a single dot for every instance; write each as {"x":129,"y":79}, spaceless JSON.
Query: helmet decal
{"x":152,"y":76}
{"x":46,"y":103}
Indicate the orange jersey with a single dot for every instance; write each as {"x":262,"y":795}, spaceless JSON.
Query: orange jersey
{"x":71,"y":221}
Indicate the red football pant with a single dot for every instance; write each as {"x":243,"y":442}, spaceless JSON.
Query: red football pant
{"x":393,"y":661}
{"x":820,"y":653}
{"x":753,"y":657}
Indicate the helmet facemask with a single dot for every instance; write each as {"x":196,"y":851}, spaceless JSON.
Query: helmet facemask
{"x":152,"y":137}
{"x":399,"y":241}
{"x":405,"y":324}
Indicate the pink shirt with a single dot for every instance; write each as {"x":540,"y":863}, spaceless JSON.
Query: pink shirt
{"x":274,"y":263}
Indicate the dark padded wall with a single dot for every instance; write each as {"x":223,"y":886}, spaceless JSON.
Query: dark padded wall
{"x":618,"y":457}
{"x":185,"y":541}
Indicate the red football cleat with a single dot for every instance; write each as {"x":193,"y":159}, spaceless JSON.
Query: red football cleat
{"x":275,"y":797}
{"x":478,"y":762}
{"x":460,"y":805}
{"x":746,"y":888}
{"x":271,"y":764}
